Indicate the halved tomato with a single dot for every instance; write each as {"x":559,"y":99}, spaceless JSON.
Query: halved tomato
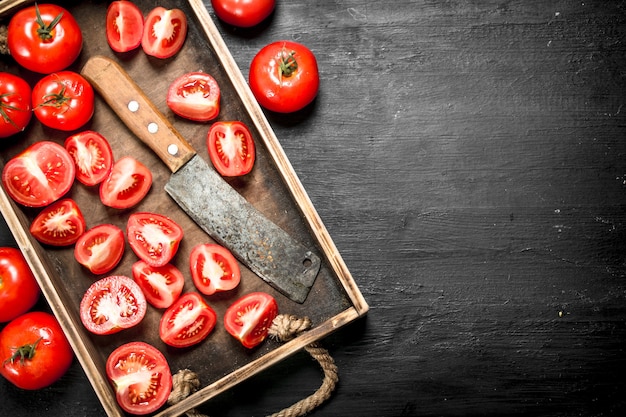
{"x":124,"y":26}
{"x":164,"y":32}
{"x":153,"y":237}
{"x":162,"y":285}
{"x":249,"y":318}
{"x":194,"y":96}
{"x":59,"y":224}
{"x":231,"y":148}
{"x":100,"y":248}
{"x":40,"y":175}
{"x":213,"y":268}
{"x":112,"y":304}
{"x":187,"y":322}
{"x":126,"y":185}
{"x":92,"y":156}
{"x":141,"y":377}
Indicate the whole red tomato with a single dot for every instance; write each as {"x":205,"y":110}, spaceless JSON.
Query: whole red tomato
{"x":15,"y":104}
{"x":19,"y":290}
{"x":243,"y":13}
{"x":44,"y":38}
{"x":34,"y":352}
{"x":284,"y":77}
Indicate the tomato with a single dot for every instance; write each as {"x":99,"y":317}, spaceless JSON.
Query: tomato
{"x":112,"y":304}
{"x":249,"y":318}
{"x":19,"y":290}
{"x":243,"y":13}
{"x":34,"y":352}
{"x":92,"y":156}
{"x":231,"y":148}
{"x":162,"y":285}
{"x":187,"y":322}
{"x":59,"y":224}
{"x":141,"y":377}
{"x":153,"y":237}
{"x":284,"y":77}
{"x":100,"y":248}
{"x":213,"y":268}
{"x":126,"y":185}
{"x":44,"y":38}
{"x":39,"y":175}
{"x":124,"y":26}
{"x":63,"y":100}
{"x":194,"y":96}
{"x":164,"y":32}
{"x":15,"y":104}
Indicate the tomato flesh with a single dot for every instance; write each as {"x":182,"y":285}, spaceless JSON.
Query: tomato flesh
{"x":231,"y":148}
{"x":126,"y":185}
{"x":194,"y":96}
{"x":100,"y":248}
{"x":153,"y":237}
{"x":19,"y":290}
{"x":124,"y":26}
{"x":59,"y":224}
{"x":161,"y":285}
{"x":92,"y":155}
{"x":187,"y":322}
{"x":164,"y":32}
{"x":15,"y":104}
{"x":213,"y":268}
{"x":249,"y":318}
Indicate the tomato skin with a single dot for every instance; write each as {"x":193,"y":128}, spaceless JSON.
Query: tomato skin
{"x":124,"y":26}
{"x":213,"y":268}
{"x":279,"y":90}
{"x":92,"y":155}
{"x":19,"y":290}
{"x":100,"y":248}
{"x":36,"y":54}
{"x":187,"y":322}
{"x":243,"y":13}
{"x":126,"y":185}
{"x":42,"y":160}
{"x":249,"y":318}
{"x":161,"y":285}
{"x":127,"y":367}
{"x":15,"y":104}
{"x":194,"y":96}
{"x":153,"y":237}
{"x":59,"y":224}
{"x":63,"y":100}
{"x":231,"y":148}
{"x":164,"y":32}
{"x":52,"y":356}
{"x":112,"y":304}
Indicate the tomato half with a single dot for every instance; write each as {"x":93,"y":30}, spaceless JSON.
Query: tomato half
{"x":231,"y":148}
{"x":284,"y":77}
{"x":153,"y":237}
{"x":126,"y":185}
{"x":19,"y":290}
{"x":141,"y":377}
{"x":194,"y":96}
{"x":59,"y":224}
{"x":34,"y":352}
{"x":124,"y":26}
{"x":92,"y":156}
{"x":164,"y":32}
{"x":243,"y":13}
{"x":112,"y":304}
{"x":63,"y":100}
{"x":187,"y":322}
{"x":15,"y":104}
{"x":44,"y":38}
{"x":162,"y":285}
{"x":249,"y":318}
{"x":100,"y":248}
{"x":213,"y":268}
{"x":40,"y":175}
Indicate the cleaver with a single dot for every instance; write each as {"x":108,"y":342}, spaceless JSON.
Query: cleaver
{"x":223,"y":213}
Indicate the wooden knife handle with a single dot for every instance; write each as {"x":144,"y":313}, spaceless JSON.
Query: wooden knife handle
{"x":125,"y":97}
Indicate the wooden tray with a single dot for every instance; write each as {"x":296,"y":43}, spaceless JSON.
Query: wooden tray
{"x":273,"y":187}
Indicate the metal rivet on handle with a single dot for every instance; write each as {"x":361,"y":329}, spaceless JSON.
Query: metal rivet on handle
{"x":133,"y":106}
{"x":172,"y":149}
{"x":153,"y":127}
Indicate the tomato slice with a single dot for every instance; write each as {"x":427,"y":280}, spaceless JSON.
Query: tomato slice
{"x":126,"y":185}
{"x":124,"y":26}
{"x":164,"y":32}
{"x":231,"y":148}
{"x":100,"y":248}
{"x":112,"y":304}
{"x":40,"y":175}
{"x":213,"y":268}
{"x":249,"y":318}
{"x":162,"y":285}
{"x":59,"y":224}
{"x":187,"y":322}
{"x":153,"y":237}
{"x":194,"y":96}
{"x":92,"y":156}
{"x":141,"y":377}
